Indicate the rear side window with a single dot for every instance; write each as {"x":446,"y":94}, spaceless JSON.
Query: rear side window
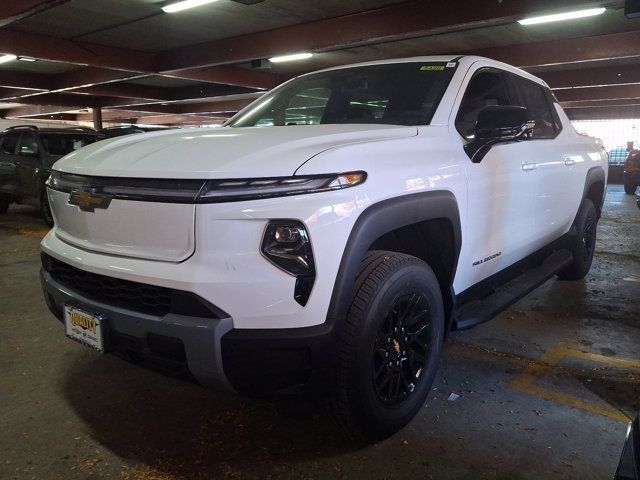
{"x":535,"y":98}
{"x":9,"y":143}
{"x":488,"y":87}
{"x":29,"y":145}
{"x":64,"y":143}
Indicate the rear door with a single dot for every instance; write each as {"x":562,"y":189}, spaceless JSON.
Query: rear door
{"x":554,"y":198}
{"x":8,"y":165}
{"x":29,"y":164}
{"x":501,"y":187}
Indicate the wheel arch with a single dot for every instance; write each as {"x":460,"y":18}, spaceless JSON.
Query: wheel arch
{"x":595,"y":188}
{"x":396,"y":219}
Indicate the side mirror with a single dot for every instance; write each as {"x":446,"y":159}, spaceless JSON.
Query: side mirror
{"x":498,"y":124}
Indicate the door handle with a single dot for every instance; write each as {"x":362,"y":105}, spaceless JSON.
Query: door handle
{"x":529,"y":166}
{"x":569,"y":161}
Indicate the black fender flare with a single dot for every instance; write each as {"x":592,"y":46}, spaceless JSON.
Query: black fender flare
{"x":594,"y":174}
{"x":381,"y":218}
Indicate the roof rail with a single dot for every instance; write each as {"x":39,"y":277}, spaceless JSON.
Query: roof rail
{"x":31,"y":127}
{"x":84,"y":129}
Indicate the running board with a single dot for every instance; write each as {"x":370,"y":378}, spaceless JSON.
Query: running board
{"x":480,"y":311}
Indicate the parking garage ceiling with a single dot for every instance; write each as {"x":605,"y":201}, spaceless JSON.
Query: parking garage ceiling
{"x":139,"y":64}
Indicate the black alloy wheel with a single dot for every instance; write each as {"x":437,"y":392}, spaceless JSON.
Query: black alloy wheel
{"x":400,"y":352}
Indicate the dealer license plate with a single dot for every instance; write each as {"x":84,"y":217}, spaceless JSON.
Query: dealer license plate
{"x":84,"y":327}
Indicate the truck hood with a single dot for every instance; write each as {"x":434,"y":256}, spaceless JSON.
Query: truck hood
{"x":219,"y":152}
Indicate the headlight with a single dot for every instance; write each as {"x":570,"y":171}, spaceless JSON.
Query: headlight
{"x":171,"y":190}
{"x":250,"y":189}
{"x":286,"y":244}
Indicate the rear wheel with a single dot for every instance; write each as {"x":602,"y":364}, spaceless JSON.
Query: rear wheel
{"x":390,"y":345}
{"x":585,"y":245}
{"x":630,"y":188}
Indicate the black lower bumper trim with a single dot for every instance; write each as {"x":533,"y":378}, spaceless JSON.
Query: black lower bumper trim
{"x":262,"y":362}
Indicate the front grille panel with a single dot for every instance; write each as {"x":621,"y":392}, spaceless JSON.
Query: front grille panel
{"x":134,"y":296}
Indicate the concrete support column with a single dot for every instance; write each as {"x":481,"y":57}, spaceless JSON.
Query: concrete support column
{"x":97,"y":118}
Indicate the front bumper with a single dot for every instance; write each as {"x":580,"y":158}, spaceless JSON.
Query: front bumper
{"x":173,"y":338}
{"x":253,"y":362}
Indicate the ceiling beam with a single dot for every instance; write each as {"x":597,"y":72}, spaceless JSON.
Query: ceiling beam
{"x":228,"y":75}
{"x":567,"y":51}
{"x":20,"y":9}
{"x":30,"y":81}
{"x":35,"y":111}
{"x":592,"y":77}
{"x":600,"y":103}
{"x":63,"y":50}
{"x":395,"y":22}
{"x":615,"y":92}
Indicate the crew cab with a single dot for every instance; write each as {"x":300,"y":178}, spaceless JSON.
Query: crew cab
{"x":330,"y":235}
{"x":26,"y":156}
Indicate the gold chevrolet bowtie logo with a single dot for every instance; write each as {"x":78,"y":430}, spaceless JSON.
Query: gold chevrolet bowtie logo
{"x":89,"y":200}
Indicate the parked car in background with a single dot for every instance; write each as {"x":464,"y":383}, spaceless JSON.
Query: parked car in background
{"x":631,"y":173}
{"x":618,"y":155}
{"x":121,"y":130}
{"x":27,"y":154}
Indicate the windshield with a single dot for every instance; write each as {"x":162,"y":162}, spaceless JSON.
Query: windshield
{"x":64,"y":143}
{"x":393,"y":94}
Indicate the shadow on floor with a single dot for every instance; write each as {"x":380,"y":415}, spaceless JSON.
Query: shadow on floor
{"x":143,"y":417}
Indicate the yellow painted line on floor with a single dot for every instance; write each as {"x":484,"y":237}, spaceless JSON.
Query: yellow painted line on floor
{"x":552,"y":357}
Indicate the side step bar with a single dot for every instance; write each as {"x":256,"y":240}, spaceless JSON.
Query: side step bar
{"x":480,"y":311}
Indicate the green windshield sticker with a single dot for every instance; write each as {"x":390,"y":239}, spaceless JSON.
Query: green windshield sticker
{"x":432,"y":68}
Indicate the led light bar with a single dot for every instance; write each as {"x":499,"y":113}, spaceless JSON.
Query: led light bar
{"x":185,"y":5}
{"x":558,"y":17}
{"x":291,"y":57}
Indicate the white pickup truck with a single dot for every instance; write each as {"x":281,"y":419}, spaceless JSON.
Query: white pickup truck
{"x":330,"y":235}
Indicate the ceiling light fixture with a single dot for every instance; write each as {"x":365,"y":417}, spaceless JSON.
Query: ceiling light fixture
{"x":184,"y":5}
{"x":27,"y":59}
{"x":292,"y":57}
{"x":558,"y":17}
{"x":9,"y":57}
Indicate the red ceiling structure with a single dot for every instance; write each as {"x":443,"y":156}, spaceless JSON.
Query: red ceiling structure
{"x":593,"y":64}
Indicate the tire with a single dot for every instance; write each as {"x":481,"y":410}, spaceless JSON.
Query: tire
{"x":4,"y":205}
{"x":372,"y":398}
{"x":582,"y":251}
{"x":629,"y":188}
{"x":45,"y":208}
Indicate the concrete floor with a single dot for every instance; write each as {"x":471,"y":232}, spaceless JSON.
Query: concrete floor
{"x":544,"y":389}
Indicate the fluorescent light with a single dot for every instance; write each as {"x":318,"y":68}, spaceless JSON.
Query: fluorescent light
{"x":7,"y":58}
{"x":562,"y":16}
{"x":289,"y":58}
{"x":27,"y":59}
{"x":184,"y":5}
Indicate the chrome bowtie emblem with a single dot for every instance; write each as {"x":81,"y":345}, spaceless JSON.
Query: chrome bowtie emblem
{"x":89,"y":200}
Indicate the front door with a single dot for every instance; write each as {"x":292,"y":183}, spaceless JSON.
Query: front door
{"x":29,"y":165}
{"x":501,"y":188}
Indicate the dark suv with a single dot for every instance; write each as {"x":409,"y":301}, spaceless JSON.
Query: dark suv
{"x":26,"y":156}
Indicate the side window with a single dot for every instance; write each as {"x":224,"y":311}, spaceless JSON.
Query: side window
{"x":10,"y":143}
{"x":307,"y":107}
{"x":29,"y":145}
{"x":487,"y":87}
{"x":534,"y":97}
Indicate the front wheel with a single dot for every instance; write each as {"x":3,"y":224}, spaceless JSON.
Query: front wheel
{"x":390,"y":345}
{"x":630,"y":188}
{"x":585,"y":245}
